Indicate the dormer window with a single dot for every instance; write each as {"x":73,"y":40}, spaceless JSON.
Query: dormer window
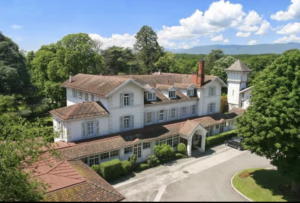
{"x":151,"y":96}
{"x":172,"y":94}
{"x":190,"y":92}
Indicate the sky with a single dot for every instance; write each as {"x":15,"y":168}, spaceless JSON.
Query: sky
{"x":179,"y":24}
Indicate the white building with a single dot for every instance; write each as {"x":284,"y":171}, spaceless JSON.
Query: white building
{"x":237,"y":77}
{"x":109,"y":117}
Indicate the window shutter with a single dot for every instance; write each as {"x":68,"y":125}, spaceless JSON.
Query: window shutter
{"x":191,"y":110}
{"x":157,"y":116}
{"x":121,"y":100}
{"x":132,"y":121}
{"x":131,"y":99}
{"x":170,"y":114}
{"x":165,"y":114}
{"x":121,"y":123}
{"x":97,"y":127}
{"x":214,"y":107}
{"x":83,"y":129}
{"x":145,"y":118}
{"x":153,"y":117}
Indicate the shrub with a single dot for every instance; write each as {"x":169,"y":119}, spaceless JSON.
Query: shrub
{"x":180,"y":156}
{"x":96,"y":168}
{"x":132,"y":160}
{"x":220,"y":138}
{"x":164,"y":152}
{"x":181,"y":148}
{"x":152,"y":161}
{"x":111,"y":169}
{"x":143,"y":167}
{"x":126,"y":167}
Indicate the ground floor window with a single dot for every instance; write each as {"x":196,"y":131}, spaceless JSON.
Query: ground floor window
{"x":209,"y":131}
{"x":175,"y":141}
{"x":114,"y":153}
{"x":169,"y":141}
{"x":138,"y":150}
{"x":104,"y":155}
{"x":127,"y":150}
{"x":222,"y":128}
{"x":146,"y":145}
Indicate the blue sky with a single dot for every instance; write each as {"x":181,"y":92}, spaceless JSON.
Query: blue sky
{"x":178,"y":24}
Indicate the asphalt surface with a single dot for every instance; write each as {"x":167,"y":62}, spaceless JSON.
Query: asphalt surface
{"x":206,"y":177}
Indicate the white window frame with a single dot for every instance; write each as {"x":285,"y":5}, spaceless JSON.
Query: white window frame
{"x":172,"y":113}
{"x":172,"y":94}
{"x":181,"y":112}
{"x":149,"y":116}
{"x":221,"y":128}
{"x":114,"y":153}
{"x":212,"y":91}
{"x":190,"y":92}
{"x":74,"y":92}
{"x":126,"y":99}
{"x":209,"y":131}
{"x":146,"y":145}
{"x":80,"y":95}
{"x":104,"y":155}
{"x":161,"y":116}
{"x":194,"y":111}
{"x":90,"y":127}
{"x":128,"y":150}
{"x":92,"y":97}
{"x":151,"y":96}
{"x":126,"y":120}
{"x":211,"y":108}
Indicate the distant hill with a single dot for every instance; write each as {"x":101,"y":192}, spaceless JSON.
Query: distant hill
{"x":241,"y":49}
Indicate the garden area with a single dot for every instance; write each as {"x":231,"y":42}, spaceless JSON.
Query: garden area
{"x":264,"y":185}
{"x":114,"y":169}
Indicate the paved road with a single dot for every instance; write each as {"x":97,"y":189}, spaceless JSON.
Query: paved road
{"x":202,"y":178}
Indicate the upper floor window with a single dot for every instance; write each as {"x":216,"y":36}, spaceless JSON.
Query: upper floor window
{"x":211,"y":108}
{"x":193,"y":111}
{"x":92,"y":97}
{"x":149,"y":117}
{"x":126,"y":122}
{"x":172,"y":94}
{"x":80,"y":95}
{"x":183,"y":111}
{"x":172,"y":113}
{"x":212,"y":91}
{"x":74,"y":93}
{"x":190,"y":92}
{"x":126,"y":99}
{"x":90,"y":128}
{"x":161,"y":115}
{"x":86,"y":97}
{"x":151,"y":96}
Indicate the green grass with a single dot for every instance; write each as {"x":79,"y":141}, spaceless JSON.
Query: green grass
{"x":262,"y":185}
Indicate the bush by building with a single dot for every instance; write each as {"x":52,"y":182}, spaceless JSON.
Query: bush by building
{"x":180,"y":156}
{"x":164,"y":152}
{"x":96,"y":168}
{"x":126,"y":167}
{"x":220,"y":138}
{"x":181,"y":148}
{"x":111,"y":169}
{"x":152,"y":161}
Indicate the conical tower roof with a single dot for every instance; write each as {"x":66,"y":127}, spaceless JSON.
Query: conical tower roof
{"x":238,"y":66}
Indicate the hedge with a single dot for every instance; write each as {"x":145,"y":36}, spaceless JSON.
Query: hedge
{"x":180,"y":156}
{"x":126,"y":167}
{"x":152,"y":161}
{"x":96,"y":168}
{"x":220,"y":138}
{"x":143,"y":167}
{"x":164,"y":152}
{"x":111,"y":169}
{"x":181,"y":148}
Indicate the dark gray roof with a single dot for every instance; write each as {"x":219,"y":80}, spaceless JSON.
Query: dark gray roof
{"x":238,"y":66}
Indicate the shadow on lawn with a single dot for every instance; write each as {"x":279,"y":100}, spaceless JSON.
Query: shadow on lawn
{"x":271,"y":180}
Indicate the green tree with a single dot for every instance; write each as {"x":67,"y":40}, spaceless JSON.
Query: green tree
{"x":19,"y":150}
{"x":220,"y":65}
{"x":116,"y":60}
{"x":14,"y":76}
{"x":211,"y":58}
{"x":166,"y":63}
{"x":148,"y":48}
{"x":271,"y":125}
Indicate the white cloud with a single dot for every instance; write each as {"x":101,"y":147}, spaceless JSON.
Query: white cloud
{"x":251,"y":22}
{"x":293,"y":12}
{"x":243,"y":34}
{"x":263,"y":28}
{"x":291,"y":38}
{"x":125,"y":40}
{"x":226,"y":41}
{"x":217,"y":38}
{"x":16,"y":27}
{"x":291,"y":28}
{"x":252,"y":42}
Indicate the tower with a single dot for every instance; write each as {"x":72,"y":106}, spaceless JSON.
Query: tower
{"x":237,"y":78}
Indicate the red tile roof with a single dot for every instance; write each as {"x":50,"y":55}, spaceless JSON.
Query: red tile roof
{"x":188,"y":128}
{"x":80,"y":110}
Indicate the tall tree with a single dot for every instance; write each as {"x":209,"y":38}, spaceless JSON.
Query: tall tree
{"x":20,"y":149}
{"x":167,"y":63}
{"x":148,"y":48}
{"x":211,"y":58}
{"x":14,"y":76}
{"x":271,"y":125}
{"x":220,"y":66}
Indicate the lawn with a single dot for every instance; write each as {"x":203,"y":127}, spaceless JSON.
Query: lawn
{"x":262,"y":185}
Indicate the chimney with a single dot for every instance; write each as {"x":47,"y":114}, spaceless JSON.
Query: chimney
{"x":71,"y":77}
{"x":198,"y":78}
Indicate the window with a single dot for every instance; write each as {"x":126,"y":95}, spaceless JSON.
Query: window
{"x":173,"y":114}
{"x":127,"y":150}
{"x":104,"y":155}
{"x":138,"y":150}
{"x":146,"y":145}
{"x":190,"y":93}
{"x":114,"y":153}
{"x":175,"y":141}
{"x":92,"y":162}
{"x":74,"y":93}
{"x":172,"y":94}
{"x":161,"y":115}
{"x":209,"y":131}
{"x":222,"y":128}
{"x":126,"y":100}
{"x":217,"y":126}
{"x":193,"y":110}
{"x":126,"y":122}
{"x":86,"y":97}
{"x":183,"y":111}
{"x":151,"y":96}
{"x":90,"y":128}
{"x":227,"y":123}
{"x":85,"y":160}
{"x":149,"y":117}
{"x":243,"y":95}
{"x":211,"y":108}
{"x":80,"y":95}
{"x":212,"y":91}
{"x":169,"y":141}
{"x":162,"y":141}
{"x":92,"y":97}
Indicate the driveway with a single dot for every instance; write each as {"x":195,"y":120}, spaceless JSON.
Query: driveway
{"x":205,"y":177}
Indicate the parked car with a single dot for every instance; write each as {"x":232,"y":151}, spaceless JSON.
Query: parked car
{"x":235,"y":142}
